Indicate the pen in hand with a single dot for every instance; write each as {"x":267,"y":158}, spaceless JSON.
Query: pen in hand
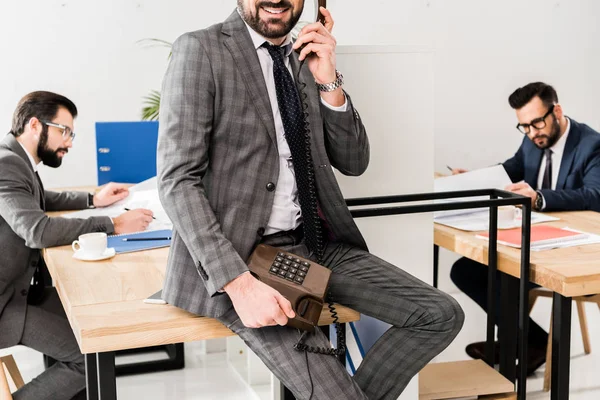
{"x":450,"y":168}
{"x":127,"y":209}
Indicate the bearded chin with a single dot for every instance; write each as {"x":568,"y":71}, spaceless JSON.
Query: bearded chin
{"x":270,"y":29}
{"x":49,"y":157}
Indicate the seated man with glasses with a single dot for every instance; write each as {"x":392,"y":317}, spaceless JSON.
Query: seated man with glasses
{"x":31,"y":313}
{"x":558,"y":167}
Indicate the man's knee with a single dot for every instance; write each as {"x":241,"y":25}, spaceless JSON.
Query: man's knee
{"x":446,"y":315}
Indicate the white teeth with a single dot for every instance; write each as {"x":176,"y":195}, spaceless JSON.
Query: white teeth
{"x":274,"y":11}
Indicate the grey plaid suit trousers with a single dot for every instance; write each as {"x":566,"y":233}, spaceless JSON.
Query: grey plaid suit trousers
{"x":424,"y":322}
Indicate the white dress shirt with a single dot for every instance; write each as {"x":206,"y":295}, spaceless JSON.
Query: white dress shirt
{"x":286,"y":214}
{"x":31,"y":160}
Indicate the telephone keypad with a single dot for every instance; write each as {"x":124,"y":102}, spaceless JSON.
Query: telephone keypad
{"x":291,"y":268}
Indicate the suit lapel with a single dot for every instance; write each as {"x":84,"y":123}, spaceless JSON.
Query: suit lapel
{"x":568,"y":155}
{"x":12,"y":144}
{"x":532,"y":167}
{"x":307,"y":88}
{"x":243,"y":52}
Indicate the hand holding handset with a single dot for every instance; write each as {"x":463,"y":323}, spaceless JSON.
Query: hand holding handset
{"x":317,"y":16}
{"x":303,"y":282}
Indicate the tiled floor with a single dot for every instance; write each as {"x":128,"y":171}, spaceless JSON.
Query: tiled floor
{"x":209,"y":376}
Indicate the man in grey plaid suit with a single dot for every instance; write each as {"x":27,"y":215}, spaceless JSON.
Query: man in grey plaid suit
{"x":226,"y":179}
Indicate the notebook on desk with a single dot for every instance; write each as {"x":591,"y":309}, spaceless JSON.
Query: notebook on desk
{"x":541,"y":236}
{"x":144,"y":241}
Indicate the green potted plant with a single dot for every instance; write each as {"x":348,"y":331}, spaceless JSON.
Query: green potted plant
{"x":151,"y":103}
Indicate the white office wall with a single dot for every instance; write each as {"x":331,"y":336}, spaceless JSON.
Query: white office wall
{"x":87,"y":50}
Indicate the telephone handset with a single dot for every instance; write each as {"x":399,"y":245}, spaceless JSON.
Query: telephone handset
{"x":317,"y":16}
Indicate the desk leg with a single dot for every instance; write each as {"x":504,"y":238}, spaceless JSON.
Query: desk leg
{"x":107,"y":384}
{"x":561,"y":347}
{"x":507,"y":326}
{"x":91,"y":376}
{"x":436,"y":264}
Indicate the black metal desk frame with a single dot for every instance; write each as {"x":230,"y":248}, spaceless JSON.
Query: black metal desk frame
{"x":100,"y":367}
{"x":511,"y":332}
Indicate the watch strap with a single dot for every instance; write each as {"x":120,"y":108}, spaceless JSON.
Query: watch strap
{"x":330,"y":87}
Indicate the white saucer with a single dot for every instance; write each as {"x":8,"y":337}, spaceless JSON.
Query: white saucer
{"x":108,"y":253}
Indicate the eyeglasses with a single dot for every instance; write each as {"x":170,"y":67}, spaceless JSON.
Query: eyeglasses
{"x":67,"y":133}
{"x":538,"y":123}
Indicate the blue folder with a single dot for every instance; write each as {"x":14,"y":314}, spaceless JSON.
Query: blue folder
{"x":122,"y":246}
{"x":126,"y":151}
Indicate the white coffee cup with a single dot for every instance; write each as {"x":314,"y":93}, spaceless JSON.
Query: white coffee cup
{"x":507,"y":216}
{"x":92,"y":244}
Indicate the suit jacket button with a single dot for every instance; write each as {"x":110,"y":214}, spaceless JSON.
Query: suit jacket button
{"x":260,"y":231}
{"x":270,"y":186}
{"x":24,"y":292}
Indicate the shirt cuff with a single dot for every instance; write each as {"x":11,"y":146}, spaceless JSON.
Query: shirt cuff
{"x":342,"y":108}
{"x":543,"y":202}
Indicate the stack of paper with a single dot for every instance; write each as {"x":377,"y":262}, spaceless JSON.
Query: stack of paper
{"x":544,"y":237}
{"x":478,"y":220}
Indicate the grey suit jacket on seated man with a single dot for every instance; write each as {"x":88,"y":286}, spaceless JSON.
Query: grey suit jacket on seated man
{"x":31,"y":313}
{"x":220,"y":143}
{"x":25,"y":229}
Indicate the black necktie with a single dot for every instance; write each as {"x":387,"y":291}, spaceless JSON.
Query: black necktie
{"x":298,"y":140}
{"x":41,"y":190}
{"x":36,"y":289}
{"x":547,"y":179}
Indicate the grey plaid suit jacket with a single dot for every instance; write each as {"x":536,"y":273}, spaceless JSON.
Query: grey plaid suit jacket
{"x":25,"y":229}
{"x":217,"y":152}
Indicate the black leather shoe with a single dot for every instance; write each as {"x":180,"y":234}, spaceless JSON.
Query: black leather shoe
{"x":477,"y":351}
{"x":535,"y":358}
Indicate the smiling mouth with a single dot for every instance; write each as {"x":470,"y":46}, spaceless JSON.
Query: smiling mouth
{"x":274,"y":11}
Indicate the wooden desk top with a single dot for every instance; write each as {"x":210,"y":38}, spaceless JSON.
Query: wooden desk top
{"x":103,"y":301}
{"x":572,"y":271}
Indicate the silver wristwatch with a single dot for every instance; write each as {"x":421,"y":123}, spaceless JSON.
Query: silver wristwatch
{"x":330,"y":87}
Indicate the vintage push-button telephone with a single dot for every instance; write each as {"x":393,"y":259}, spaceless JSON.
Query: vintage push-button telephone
{"x":301,"y":281}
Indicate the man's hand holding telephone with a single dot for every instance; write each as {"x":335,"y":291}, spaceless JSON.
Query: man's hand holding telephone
{"x":258,"y":304}
{"x":317,"y":46}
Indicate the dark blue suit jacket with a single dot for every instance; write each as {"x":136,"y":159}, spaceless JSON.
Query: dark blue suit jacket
{"x":578,"y":185}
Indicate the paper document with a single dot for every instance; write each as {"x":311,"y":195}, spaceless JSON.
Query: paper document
{"x":486,"y":178}
{"x":478,"y":220}
{"x":142,"y":195}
